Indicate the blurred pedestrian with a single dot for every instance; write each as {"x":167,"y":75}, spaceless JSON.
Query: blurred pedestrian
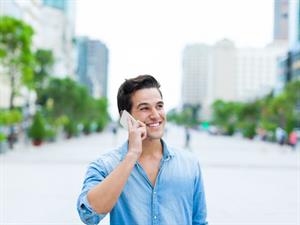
{"x":114,"y":130}
{"x":293,"y":139}
{"x":145,"y":181}
{"x":280,"y":135}
{"x":187,"y":138}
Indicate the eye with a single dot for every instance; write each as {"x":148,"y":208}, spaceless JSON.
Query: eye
{"x":144,"y":108}
{"x":160,"y":106}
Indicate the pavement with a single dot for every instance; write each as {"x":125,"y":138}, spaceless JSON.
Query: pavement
{"x":247,"y":182}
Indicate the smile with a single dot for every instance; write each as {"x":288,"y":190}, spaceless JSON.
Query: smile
{"x":153,"y":124}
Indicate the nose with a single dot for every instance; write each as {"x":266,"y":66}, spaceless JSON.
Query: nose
{"x":154,"y":114}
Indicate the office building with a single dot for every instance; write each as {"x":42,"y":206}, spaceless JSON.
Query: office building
{"x":281,"y":16}
{"x":223,"y":71}
{"x":92,"y":68}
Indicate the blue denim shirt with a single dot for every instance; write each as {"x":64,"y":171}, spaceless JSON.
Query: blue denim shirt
{"x":177,"y":198}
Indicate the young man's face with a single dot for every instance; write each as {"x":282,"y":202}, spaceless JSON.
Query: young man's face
{"x":148,"y":107}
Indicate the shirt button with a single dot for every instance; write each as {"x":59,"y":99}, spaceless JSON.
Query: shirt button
{"x":155,"y":217}
{"x":154,"y":192}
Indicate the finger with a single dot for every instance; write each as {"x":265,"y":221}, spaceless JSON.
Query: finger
{"x":143,"y":134}
{"x":140,"y":124}
{"x":129,"y":123}
{"x":134,"y":123}
{"x":142,"y":129}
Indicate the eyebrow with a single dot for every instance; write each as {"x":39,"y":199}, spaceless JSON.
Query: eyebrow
{"x":147,"y":104}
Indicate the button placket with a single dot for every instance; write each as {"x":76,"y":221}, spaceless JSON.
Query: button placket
{"x":155,"y":205}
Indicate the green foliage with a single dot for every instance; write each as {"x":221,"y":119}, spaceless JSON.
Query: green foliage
{"x":50,"y":134}
{"x":68,"y":98}
{"x":281,"y":110}
{"x":38,"y":131}
{"x":231,"y":116}
{"x":186,"y":117}
{"x":44,"y":61}
{"x":10,"y":117}
{"x":2,"y":137}
{"x":226,"y":115}
{"x":101,"y":123}
{"x":60,"y":121}
{"x":64,"y":102}
{"x":87,"y":127}
{"x":248,"y":118}
{"x":15,"y":53}
{"x":267,"y":113}
{"x":71,"y":129}
{"x":249,"y":130}
{"x":65,"y":98}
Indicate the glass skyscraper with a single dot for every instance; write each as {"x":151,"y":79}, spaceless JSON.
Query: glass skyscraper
{"x":92,"y":62}
{"x":59,"y":4}
{"x":281,"y":16}
{"x":294,"y":39}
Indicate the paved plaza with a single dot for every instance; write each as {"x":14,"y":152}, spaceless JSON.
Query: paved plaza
{"x":247,"y":182}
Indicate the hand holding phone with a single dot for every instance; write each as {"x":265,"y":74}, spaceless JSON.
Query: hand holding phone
{"x":124,"y":119}
{"x":137,"y":132}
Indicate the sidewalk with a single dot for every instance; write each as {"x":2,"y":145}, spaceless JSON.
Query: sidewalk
{"x":246,"y":182}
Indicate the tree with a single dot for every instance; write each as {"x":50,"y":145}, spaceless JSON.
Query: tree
{"x":186,"y":117}
{"x":66,"y":98}
{"x":281,"y":110}
{"x":102,"y":115}
{"x":226,"y":115}
{"x":44,"y":61}
{"x":248,"y":118}
{"x":15,"y":53}
{"x":16,"y":58}
{"x":37,"y":130}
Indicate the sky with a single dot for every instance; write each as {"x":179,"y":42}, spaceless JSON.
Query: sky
{"x":148,"y":36}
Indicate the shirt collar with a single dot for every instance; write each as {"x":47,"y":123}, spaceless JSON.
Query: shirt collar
{"x":168,"y":153}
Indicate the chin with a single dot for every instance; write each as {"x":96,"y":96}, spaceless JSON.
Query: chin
{"x":155,"y":136}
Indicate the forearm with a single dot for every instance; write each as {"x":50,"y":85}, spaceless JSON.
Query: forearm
{"x":104,"y":196}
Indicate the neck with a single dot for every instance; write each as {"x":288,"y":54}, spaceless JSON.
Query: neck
{"x":152,"y":147}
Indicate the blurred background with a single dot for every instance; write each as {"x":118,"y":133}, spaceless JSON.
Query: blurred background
{"x":229,"y":73}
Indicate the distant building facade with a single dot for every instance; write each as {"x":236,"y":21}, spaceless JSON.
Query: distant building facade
{"x":294,"y":40}
{"x":226,"y":72}
{"x":289,"y":63}
{"x":92,"y":71}
{"x":281,"y":19}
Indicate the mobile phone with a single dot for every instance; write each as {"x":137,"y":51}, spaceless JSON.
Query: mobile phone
{"x":123,"y":119}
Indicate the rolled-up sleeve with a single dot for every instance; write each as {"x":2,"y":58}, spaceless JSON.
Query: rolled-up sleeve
{"x":95,"y":174}
{"x":199,"y":205}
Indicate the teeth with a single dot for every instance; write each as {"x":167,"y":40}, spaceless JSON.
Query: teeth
{"x":154,"y":125}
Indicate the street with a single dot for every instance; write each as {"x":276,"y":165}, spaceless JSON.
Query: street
{"x":246,"y":182}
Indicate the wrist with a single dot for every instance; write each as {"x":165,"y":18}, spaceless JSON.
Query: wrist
{"x":133,"y":155}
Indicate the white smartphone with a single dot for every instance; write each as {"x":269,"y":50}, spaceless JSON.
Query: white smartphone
{"x":123,"y":119}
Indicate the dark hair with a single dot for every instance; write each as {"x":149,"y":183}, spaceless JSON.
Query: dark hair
{"x":130,"y":86}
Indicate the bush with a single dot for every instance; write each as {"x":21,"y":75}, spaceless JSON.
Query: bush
{"x":37,"y":131}
{"x":71,"y":129}
{"x":2,"y":137}
{"x":87,"y":128}
{"x":10,"y":117}
{"x":249,"y":130}
{"x":50,"y":134}
{"x":101,"y":123}
{"x":230,"y":129}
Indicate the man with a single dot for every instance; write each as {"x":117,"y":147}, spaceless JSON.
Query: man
{"x":144,"y":181}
